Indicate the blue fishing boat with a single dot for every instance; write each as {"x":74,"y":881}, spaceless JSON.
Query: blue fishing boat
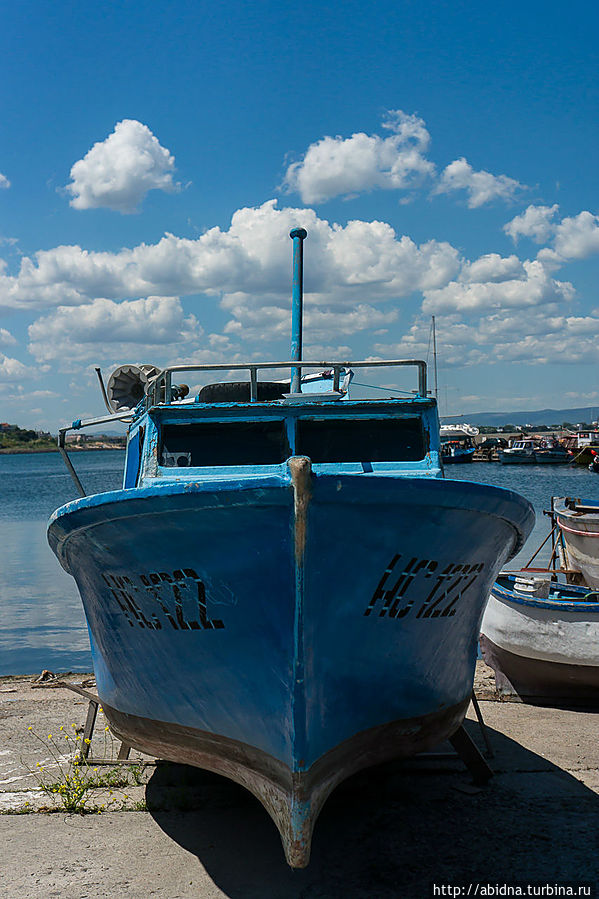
{"x":286,"y":590}
{"x":454,"y":451}
{"x":457,"y":443}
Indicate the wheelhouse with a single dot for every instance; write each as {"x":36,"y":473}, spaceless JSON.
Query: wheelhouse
{"x":250,"y":428}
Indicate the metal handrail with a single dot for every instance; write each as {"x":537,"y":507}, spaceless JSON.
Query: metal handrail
{"x":76,"y":426}
{"x":162,"y":383}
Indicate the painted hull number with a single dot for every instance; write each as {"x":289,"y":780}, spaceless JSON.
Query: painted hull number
{"x":177,"y":600}
{"x":402,"y":586}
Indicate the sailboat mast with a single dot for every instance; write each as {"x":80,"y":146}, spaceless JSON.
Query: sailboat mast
{"x":435,"y":359}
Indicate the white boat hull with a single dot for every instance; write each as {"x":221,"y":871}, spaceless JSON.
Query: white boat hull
{"x":542,"y":652}
{"x":580,"y":531}
{"x":568,"y":638}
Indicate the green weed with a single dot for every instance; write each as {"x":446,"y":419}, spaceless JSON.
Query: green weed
{"x":76,"y":778}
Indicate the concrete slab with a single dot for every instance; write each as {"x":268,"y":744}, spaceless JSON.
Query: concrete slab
{"x":391,"y":831}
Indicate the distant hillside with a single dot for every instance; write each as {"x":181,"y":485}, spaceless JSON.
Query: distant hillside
{"x":540,"y":417}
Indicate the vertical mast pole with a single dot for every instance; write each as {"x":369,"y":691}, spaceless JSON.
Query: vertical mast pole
{"x":435,"y":360}
{"x":298,"y":235}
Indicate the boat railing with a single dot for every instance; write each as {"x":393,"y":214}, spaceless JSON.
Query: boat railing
{"x":125,"y":417}
{"x":161,"y":389}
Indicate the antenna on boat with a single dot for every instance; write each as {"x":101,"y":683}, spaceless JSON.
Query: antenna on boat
{"x":298,"y":235}
{"x":435,"y":358}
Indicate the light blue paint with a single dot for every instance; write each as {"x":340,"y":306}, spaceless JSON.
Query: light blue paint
{"x":133,"y":459}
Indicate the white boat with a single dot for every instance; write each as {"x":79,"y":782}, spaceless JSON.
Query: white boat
{"x":457,"y":443}
{"x":578,"y":522}
{"x":458,"y":432}
{"x":541,"y":637}
{"x":520,"y":452}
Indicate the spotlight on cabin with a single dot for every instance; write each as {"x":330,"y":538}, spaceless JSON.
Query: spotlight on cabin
{"x":127,"y":385}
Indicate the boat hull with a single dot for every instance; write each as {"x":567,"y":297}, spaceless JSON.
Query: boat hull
{"x":580,"y":531}
{"x":544,"y":651}
{"x":541,"y":681}
{"x":459,"y":457}
{"x":288,"y":630}
{"x":551,"y":457}
{"x":292,"y":799}
{"x":516,"y":458}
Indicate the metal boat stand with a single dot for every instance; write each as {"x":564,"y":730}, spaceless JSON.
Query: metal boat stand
{"x":90,"y":722}
{"x":467,"y":750}
{"x":483,"y":727}
{"x":464,"y":746}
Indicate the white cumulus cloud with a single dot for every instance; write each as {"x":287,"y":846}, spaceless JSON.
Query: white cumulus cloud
{"x":535,"y":222}
{"x":337,"y":166}
{"x":12,"y":369}
{"x":529,"y":336}
{"x":574,"y":237}
{"x":105,"y":329}
{"x":6,"y":338}
{"x":532,"y":286}
{"x":252,"y":257}
{"x":482,"y":187}
{"x":493,"y":267}
{"x":118,"y":172}
{"x":4,"y":182}
{"x":577,"y":237}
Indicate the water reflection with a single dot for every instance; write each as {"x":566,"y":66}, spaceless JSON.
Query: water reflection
{"x":41,"y":618}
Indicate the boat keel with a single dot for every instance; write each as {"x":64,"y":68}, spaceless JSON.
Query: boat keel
{"x":292,"y":799}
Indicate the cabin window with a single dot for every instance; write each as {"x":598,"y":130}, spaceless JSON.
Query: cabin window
{"x":224,"y":443}
{"x":361,"y":440}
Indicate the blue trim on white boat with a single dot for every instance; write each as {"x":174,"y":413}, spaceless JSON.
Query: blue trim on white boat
{"x":517,"y":599}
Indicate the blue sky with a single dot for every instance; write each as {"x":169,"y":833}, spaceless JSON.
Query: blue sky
{"x":443,"y":158}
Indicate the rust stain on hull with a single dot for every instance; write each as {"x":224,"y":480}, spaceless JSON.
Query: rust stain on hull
{"x":300,"y":468}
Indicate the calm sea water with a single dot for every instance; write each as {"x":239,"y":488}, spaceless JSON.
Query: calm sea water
{"x":41,"y":618}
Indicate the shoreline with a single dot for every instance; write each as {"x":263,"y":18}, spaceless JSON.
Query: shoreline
{"x":484,"y":681}
{"x":21,"y":450}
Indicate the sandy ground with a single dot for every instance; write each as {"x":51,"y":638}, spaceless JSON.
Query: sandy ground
{"x":393,"y":831}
